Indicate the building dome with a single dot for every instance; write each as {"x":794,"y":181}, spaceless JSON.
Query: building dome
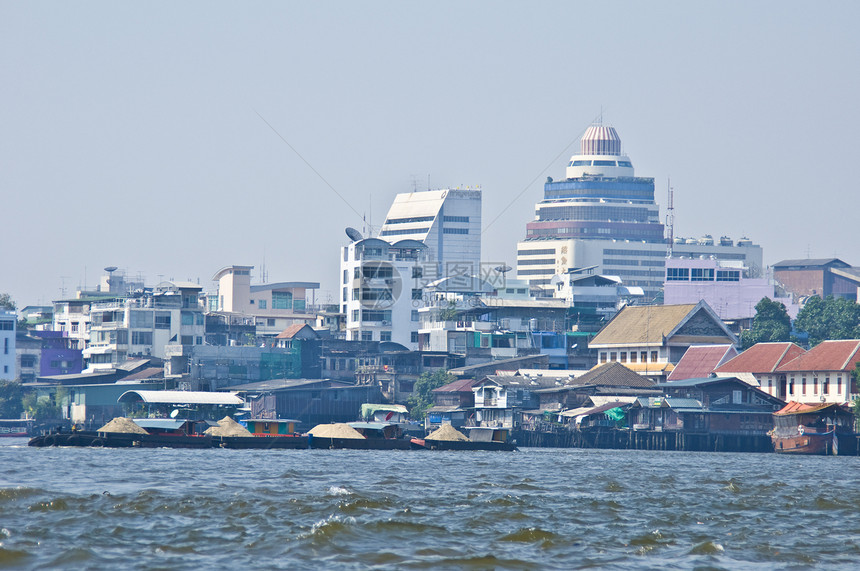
{"x":600,"y":140}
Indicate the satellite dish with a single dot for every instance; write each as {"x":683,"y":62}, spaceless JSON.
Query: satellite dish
{"x":110,"y":269}
{"x":353,"y":234}
{"x":503,"y":269}
{"x":175,"y":413}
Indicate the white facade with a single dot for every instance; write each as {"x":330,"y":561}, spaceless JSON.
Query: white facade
{"x":447,"y":221}
{"x":170,"y":315}
{"x":381,"y":290}
{"x":638,"y":264}
{"x":8,"y":325}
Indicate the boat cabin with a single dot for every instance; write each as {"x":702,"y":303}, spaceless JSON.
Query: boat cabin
{"x":377,"y":430}
{"x":271,"y":427}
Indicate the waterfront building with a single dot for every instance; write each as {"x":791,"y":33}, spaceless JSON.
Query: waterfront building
{"x":603,"y":215}
{"x":824,"y":373}
{"x":447,"y":221}
{"x":381,"y":289}
{"x":144,"y":325}
{"x":45,"y":353}
{"x":8,"y":327}
{"x":759,"y":366}
{"x":727,"y":287}
{"x":652,"y":339}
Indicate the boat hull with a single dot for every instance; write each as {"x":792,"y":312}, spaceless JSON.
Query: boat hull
{"x":812,"y":444}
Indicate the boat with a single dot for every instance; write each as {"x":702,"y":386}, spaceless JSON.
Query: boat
{"x":480,"y":438}
{"x":15,"y":428}
{"x":810,"y":428}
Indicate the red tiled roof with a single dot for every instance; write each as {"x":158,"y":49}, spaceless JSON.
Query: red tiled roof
{"x":463,"y":385}
{"x":699,"y":361}
{"x":794,"y":407}
{"x":842,"y":355}
{"x":292,"y":330}
{"x":761,"y":358}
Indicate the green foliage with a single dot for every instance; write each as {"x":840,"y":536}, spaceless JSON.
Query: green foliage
{"x":449,"y":313}
{"x":6,"y":302}
{"x":43,"y":407}
{"x":829,"y":318}
{"x":771,"y":324}
{"x":11,"y":397}
{"x":422,"y":393}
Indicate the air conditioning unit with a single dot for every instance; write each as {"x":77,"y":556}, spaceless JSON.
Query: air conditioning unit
{"x":386,"y":323}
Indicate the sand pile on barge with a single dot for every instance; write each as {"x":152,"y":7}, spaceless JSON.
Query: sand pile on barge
{"x":122,"y":425}
{"x":337,"y":430}
{"x":447,"y":433}
{"x":228,"y":427}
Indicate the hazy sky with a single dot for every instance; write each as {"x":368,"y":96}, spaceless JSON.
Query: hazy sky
{"x":131,"y":133}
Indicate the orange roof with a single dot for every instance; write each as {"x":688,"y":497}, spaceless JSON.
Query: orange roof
{"x":293,"y":330}
{"x":700,"y":360}
{"x":841,"y":355}
{"x":761,"y":358}
{"x":800,"y":408}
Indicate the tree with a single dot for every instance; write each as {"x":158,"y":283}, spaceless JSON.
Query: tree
{"x":770,"y":324}
{"x":829,"y":318}
{"x":6,"y":302}
{"x":422,"y":393}
{"x":11,"y":396}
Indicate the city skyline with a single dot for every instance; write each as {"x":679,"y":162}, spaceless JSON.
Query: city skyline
{"x":173,"y":141}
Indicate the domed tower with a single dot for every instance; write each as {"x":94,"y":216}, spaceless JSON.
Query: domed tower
{"x":599,"y":155}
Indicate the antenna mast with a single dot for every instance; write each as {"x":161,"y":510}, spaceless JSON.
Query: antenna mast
{"x":670,"y":220}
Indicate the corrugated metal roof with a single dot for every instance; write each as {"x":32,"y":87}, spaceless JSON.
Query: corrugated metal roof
{"x":181,"y":397}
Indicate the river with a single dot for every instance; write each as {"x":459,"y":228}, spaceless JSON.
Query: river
{"x":79,"y":508}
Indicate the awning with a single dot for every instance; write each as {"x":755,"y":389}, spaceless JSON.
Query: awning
{"x":181,"y":397}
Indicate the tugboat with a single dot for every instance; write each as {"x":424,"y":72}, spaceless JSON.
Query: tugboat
{"x":810,"y":428}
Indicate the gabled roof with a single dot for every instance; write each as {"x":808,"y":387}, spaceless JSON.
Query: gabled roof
{"x":294,"y":329}
{"x":794,"y":407}
{"x":836,"y":355}
{"x":613,"y":374}
{"x":700,"y":382}
{"x":761,"y":358}
{"x":701,"y":360}
{"x":653,"y":324}
{"x":460,"y":386}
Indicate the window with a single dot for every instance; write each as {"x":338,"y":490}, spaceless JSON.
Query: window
{"x":455,"y":218}
{"x":367,"y":335}
{"x":580,"y":164}
{"x":187,"y":318}
{"x":838,"y":384}
{"x":653,"y":356}
{"x":803,"y":385}
{"x":454,"y":231}
{"x":356,"y":272}
{"x":199,"y":340}
{"x":825,"y":386}
{"x":632,"y":356}
{"x":162,"y":320}
{"x":355,"y":314}
{"x":728,"y":275}
{"x":6,"y":325}
{"x":603,"y":357}
{"x":141,"y":337}
{"x":385,"y":335}
{"x":252,"y":302}
{"x":28,"y":361}
{"x":345,"y":293}
{"x":612,"y":356}
{"x":677,"y":274}
{"x":262,"y":304}
{"x":74,"y":326}
{"x":702,"y":275}
{"x":399,"y":233}
{"x":282,"y":300}
{"x":622,"y":357}
{"x":644,"y":356}
{"x":815,"y":385}
{"x":6,"y":345}
{"x":270,"y":322}
{"x":416,"y":294}
{"x":414,"y":315}
{"x":414,"y":337}
{"x":603,"y":163}
{"x":346,"y":276}
{"x":188,"y":340}
{"x":417,"y":272}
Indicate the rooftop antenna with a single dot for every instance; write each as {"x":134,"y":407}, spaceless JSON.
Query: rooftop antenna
{"x":63,"y":286}
{"x":670,"y":220}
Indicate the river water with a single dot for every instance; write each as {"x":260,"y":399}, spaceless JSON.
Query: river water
{"x":79,"y":508}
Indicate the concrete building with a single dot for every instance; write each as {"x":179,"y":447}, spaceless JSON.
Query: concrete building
{"x":603,"y":215}
{"x":274,"y":306}
{"x":8,"y":326}
{"x":727,"y":287}
{"x":381,"y":289}
{"x":822,"y":277}
{"x":447,"y":221}
{"x":171,"y":313}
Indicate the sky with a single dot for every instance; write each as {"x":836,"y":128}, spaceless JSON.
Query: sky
{"x":172,"y":139}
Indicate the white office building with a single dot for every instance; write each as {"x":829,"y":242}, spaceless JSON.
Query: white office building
{"x":605,"y":216}
{"x":447,"y":221}
{"x":381,"y":289}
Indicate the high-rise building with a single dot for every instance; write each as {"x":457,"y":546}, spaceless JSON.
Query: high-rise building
{"x":604,"y":216}
{"x":447,"y":221}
